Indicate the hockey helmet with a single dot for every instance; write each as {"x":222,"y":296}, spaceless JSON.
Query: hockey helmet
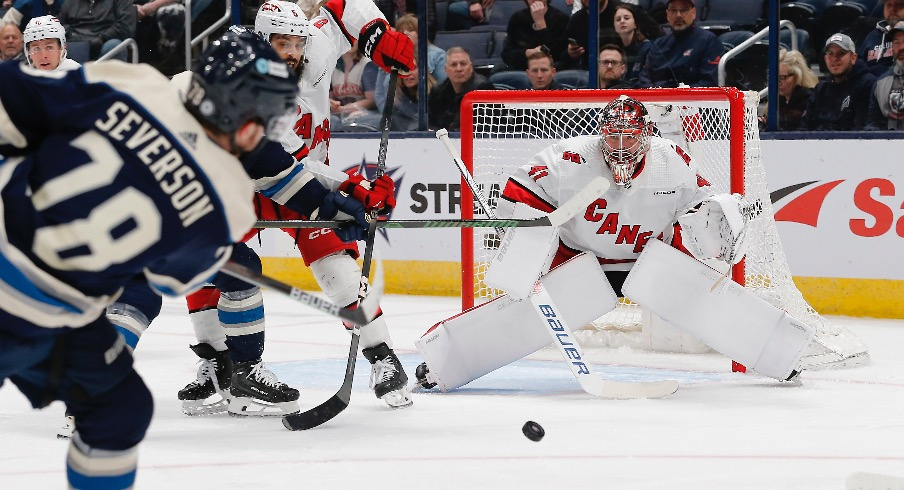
{"x":279,"y":17}
{"x":626,"y":130}
{"x":45,"y":27}
{"x":240,"y":78}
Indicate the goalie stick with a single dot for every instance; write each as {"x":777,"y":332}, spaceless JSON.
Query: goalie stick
{"x":329,"y":409}
{"x":590,"y":381}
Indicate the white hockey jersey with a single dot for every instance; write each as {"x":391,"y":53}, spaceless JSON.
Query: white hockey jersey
{"x":619,"y":223}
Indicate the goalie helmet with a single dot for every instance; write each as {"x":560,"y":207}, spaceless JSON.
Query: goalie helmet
{"x":626,"y":130}
{"x":44,"y":27}
{"x":278,"y":17}
{"x":238,"y":78}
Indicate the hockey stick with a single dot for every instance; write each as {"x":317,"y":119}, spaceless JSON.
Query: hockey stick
{"x":443,"y":136}
{"x":590,"y":381}
{"x":327,"y":410}
{"x":417,"y":223}
{"x":362,"y":315}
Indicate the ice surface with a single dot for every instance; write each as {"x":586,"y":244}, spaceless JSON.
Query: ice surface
{"x":720,"y":431}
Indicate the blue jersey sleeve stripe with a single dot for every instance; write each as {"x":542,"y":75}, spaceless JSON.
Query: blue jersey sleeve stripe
{"x":12,"y":279}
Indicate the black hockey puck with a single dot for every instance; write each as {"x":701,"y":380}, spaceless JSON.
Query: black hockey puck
{"x":533,"y":431}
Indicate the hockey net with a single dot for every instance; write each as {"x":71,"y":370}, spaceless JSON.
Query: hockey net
{"x":501,"y":130}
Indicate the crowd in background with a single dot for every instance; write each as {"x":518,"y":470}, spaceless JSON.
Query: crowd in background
{"x":641,"y":44}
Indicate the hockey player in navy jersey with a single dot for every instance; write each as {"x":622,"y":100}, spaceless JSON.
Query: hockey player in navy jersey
{"x":108,"y":176}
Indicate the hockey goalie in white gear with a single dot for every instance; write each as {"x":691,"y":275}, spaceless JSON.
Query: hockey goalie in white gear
{"x":655,"y":193}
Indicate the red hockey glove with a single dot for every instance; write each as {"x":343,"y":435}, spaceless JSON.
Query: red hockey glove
{"x":379,"y":194}
{"x":387,"y":48}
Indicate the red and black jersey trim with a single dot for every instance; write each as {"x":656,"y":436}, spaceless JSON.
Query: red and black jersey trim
{"x":515,"y":192}
{"x":336,"y":8}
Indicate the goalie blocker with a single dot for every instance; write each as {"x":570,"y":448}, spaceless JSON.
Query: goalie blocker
{"x":728,"y":318}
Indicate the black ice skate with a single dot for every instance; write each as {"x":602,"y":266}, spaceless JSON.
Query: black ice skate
{"x":387,"y":377}
{"x":423,"y":378}
{"x":256,"y":392}
{"x":208,"y":393}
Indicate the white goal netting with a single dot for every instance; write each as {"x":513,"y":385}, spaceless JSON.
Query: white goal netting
{"x":502,"y":130}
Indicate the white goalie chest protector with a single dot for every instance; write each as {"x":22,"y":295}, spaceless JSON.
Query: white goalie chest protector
{"x":489,"y":336}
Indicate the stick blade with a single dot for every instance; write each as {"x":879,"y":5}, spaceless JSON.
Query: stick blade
{"x":617,"y":390}
{"x":316,"y":416}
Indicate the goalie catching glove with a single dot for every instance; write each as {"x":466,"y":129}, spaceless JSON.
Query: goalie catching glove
{"x":718,"y":228}
{"x":387,"y":48}
{"x":378,"y":195}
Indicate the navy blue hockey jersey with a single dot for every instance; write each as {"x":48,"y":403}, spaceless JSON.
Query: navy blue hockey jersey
{"x":106,"y":176}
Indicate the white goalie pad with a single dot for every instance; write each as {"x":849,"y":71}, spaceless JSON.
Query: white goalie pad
{"x":494,"y":334}
{"x":728,"y":318}
{"x":523,"y":255}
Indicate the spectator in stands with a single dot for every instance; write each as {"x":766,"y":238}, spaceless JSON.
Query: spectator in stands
{"x":465,"y":14}
{"x":436,"y":59}
{"x":532,"y":27}
{"x":876,"y":49}
{"x":886,"y":106}
{"x":102,"y":23}
{"x":405,"y":112}
{"x":841,"y":101}
{"x":445,"y":99}
{"x":352,"y":87}
{"x":160,"y":28}
{"x":21,"y":12}
{"x":795,"y":84}
{"x":579,"y":25}
{"x":688,"y":55}
{"x":612,"y":61}
{"x":541,"y":72}
{"x":631,"y":39}
{"x":11,"y":45}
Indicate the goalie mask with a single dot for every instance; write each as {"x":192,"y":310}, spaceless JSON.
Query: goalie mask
{"x":285,"y":26}
{"x":626,"y":129}
{"x":38,"y":29}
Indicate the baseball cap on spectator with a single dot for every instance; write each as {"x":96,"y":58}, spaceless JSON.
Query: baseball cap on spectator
{"x":692,"y":2}
{"x":898,"y":27}
{"x":843,"y":41}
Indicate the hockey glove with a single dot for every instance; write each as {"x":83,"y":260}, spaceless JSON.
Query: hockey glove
{"x":333,"y":203}
{"x":387,"y":48}
{"x":378,"y":195}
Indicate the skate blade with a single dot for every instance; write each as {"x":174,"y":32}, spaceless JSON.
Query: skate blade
{"x":194,"y":408}
{"x":249,"y":407}
{"x":398,"y":399}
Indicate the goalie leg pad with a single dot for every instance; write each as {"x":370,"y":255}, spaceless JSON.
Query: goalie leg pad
{"x":730,"y":319}
{"x":523,"y":255}
{"x":494,"y":334}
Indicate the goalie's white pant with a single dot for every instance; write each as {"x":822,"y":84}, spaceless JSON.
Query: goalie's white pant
{"x":728,"y":318}
{"x":487,"y":337}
